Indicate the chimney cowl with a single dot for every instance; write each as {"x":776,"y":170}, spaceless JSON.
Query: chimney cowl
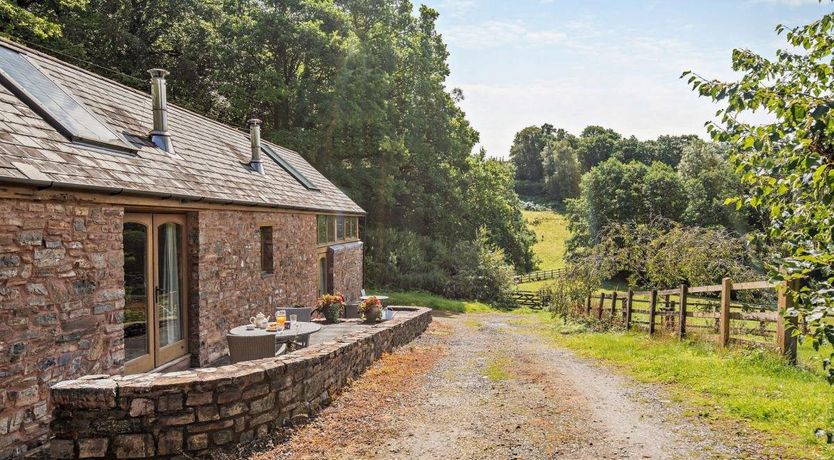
{"x":255,"y":139}
{"x":159,"y":98}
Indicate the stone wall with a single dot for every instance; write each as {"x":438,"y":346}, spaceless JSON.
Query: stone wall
{"x":347,"y":276}
{"x":227,"y":284}
{"x":61,"y":307}
{"x":200,"y":410}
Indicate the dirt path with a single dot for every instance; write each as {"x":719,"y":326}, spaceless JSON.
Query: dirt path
{"x":479,"y":386}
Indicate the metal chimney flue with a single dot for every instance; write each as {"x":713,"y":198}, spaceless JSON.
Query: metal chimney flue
{"x":159,"y":135}
{"x":255,"y":137}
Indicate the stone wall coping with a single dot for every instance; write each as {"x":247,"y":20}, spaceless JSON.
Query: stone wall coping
{"x":102,"y":391}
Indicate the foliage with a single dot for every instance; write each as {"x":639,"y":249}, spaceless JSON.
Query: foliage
{"x":526,"y":151}
{"x":596,"y":144}
{"x":663,"y":254}
{"x":34,"y":20}
{"x":565,"y":296}
{"x":787,"y":164}
{"x":561,"y":171}
{"x":330,"y":306}
{"x":709,"y":180}
{"x":473,"y":270}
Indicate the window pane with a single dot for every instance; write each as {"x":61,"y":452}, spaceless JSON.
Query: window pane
{"x":321,"y":229}
{"x":136,"y":290}
{"x":340,"y":228}
{"x":331,"y":229}
{"x":168,"y":292}
{"x":266,"y":250}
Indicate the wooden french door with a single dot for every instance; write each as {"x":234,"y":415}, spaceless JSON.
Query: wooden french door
{"x":155,"y":323}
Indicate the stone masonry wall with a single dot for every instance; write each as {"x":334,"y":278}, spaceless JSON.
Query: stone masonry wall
{"x":347,"y":269}
{"x":61,"y":307}
{"x":227,"y":284}
{"x":201,"y":410}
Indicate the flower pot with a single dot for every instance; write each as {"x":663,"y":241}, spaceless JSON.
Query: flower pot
{"x":372,"y":314}
{"x":331,"y":313}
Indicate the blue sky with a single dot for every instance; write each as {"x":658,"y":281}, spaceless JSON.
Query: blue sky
{"x":572,"y":63}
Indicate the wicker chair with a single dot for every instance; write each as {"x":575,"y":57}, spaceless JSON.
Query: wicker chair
{"x":247,"y":348}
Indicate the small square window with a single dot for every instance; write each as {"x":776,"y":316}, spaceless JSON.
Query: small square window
{"x":267,"y":265}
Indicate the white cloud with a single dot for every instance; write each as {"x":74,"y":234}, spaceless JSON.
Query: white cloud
{"x":490,"y":34}
{"x":789,"y":2}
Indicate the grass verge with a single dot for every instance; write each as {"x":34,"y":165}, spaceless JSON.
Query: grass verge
{"x":436,"y":302}
{"x":784,"y":402}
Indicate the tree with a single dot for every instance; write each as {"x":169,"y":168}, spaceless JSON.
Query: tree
{"x":596,"y":144}
{"x":709,"y":181}
{"x":526,"y":152}
{"x":787,"y":165}
{"x":561,"y":171}
{"x":663,"y":193}
{"x":632,"y":149}
{"x":668,"y":149}
{"x":34,"y":20}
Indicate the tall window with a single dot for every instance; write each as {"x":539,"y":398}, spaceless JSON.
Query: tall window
{"x":267,"y":265}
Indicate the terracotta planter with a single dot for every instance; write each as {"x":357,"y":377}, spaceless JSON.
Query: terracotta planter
{"x":372,"y":314}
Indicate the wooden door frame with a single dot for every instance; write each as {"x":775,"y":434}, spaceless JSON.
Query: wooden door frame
{"x":145,"y":362}
{"x":158,"y":356}
{"x":179,"y":348}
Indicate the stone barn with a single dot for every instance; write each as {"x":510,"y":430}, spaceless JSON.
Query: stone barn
{"x":134,"y":234}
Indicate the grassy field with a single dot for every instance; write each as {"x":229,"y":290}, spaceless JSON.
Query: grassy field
{"x":435,"y":302}
{"x":786,"y":403}
{"x":551,"y":233}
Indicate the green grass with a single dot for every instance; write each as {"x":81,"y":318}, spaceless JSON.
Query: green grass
{"x":436,"y":302}
{"x":497,"y":369}
{"x":551,"y":233}
{"x":784,"y":402}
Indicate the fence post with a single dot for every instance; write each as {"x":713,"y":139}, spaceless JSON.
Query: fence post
{"x":588,"y":306}
{"x":613,"y":305}
{"x":628,"y":309}
{"x":682,"y":318}
{"x":786,"y":325}
{"x":652,"y":311}
{"x":601,"y":305}
{"x":724,"y":318}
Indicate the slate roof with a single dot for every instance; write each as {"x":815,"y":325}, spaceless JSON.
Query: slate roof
{"x":207,"y":164}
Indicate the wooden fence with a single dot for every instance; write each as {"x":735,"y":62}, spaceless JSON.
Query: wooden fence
{"x":537,"y":276}
{"x":749,"y":314}
{"x":527,"y":299}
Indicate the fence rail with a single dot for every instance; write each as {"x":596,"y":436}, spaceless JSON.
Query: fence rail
{"x":527,"y":299}
{"x":732,"y":320}
{"x":537,"y":276}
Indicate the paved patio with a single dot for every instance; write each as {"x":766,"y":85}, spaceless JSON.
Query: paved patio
{"x":331,"y":332}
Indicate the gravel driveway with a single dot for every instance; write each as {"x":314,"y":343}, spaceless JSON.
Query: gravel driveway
{"x":483,"y":386}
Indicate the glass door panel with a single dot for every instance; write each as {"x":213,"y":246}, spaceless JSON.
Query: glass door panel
{"x":138,"y":333}
{"x":170,"y":288}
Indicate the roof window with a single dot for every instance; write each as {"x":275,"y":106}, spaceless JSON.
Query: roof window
{"x":290,"y":169}
{"x":55,"y":105}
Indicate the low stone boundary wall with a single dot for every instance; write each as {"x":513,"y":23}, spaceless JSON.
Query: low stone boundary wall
{"x":198,"y":410}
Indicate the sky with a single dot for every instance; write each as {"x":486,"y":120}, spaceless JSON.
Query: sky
{"x":573,"y":63}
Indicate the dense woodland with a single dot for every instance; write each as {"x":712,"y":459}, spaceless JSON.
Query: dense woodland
{"x":356,"y":86}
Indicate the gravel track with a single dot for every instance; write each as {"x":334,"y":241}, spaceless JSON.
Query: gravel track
{"x":494,"y":389}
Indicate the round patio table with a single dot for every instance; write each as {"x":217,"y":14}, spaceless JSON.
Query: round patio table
{"x":300,"y":331}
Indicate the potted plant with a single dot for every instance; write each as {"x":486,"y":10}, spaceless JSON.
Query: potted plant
{"x":330,"y":306}
{"x":371,"y":309}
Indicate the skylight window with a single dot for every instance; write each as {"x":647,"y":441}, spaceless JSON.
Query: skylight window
{"x":296,"y":174}
{"x":55,"y":105}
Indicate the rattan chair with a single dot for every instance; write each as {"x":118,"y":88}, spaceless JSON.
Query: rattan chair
{"x":247,"y":348}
